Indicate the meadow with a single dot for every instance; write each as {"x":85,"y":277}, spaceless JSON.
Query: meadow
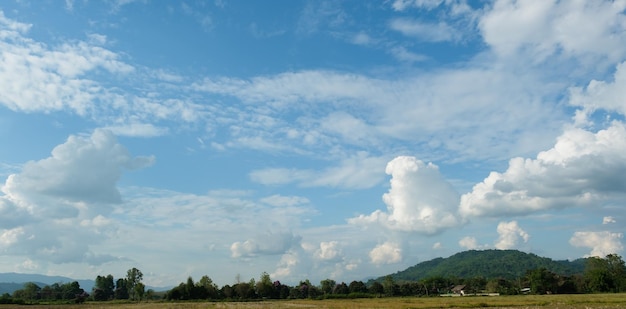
{"x":521,"y":301}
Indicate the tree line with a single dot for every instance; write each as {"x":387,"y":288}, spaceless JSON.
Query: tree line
{"x":601,"y":275}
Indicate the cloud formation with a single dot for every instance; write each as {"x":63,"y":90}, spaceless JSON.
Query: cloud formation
{"x":267,"y":243}
{"x":582,"y":168}
{"x":386,"y":253}
{"x":419,"y":199}
{"x":542,"y":29}
{"x":601,"y":243}
{"x":56,"y":208}
{"x":510,"y":235}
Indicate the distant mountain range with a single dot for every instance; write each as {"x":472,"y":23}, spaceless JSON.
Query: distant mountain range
{"x":508,"y":264}
{"x":10,"y":282}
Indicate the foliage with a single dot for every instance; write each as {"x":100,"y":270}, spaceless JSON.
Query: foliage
{"x":489,"y":264}
{"x":133,"y":279}
{"x":606,"y":274}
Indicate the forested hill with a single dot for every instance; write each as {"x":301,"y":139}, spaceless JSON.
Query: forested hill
{"x":508,"y":264}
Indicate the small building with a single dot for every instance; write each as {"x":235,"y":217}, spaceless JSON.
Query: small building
{"x":459,"y":290}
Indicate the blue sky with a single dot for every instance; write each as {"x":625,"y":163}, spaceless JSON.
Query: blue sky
{"x":307,"y":139}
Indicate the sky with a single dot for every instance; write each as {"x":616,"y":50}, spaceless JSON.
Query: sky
{"x":307,"y":139}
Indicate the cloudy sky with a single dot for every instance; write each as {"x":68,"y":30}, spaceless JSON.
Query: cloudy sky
{"x":307,"y":139}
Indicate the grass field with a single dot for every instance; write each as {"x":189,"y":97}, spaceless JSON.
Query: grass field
{"x":527,"y":301}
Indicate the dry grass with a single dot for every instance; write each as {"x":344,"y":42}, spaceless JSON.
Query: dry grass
{"x":529,"y":301}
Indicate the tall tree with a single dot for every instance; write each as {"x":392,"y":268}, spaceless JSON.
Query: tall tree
{"x":133,"y":277}
{"x":265,"y":287}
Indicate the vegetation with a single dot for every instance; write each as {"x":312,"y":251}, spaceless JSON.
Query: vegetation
{"x":507,"y":264}
{"x":600,"y":275}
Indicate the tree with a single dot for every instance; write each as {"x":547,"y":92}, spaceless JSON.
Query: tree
{"x":377,"y":288}
{"x":606,"y":275}
{"x":30,"y":291}
{"x":327,"y":285}
{"x":357,"y":287}
{"x":389,"y":286}
{"x":341,"y":288}
{"x":542,"y":281}
{"x":265,"y":287}
{"x":133,"y":277}
{"x":121,"y":289}
{"x":211,"y":288}
{"x":72,"y":290}
{"x":104,"y":288}
{"x":140,"y":289}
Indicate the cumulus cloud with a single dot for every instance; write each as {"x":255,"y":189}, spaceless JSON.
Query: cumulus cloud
{"x":266,"y":244}
{"x":510,"y":235}
{"x":581,"y":169}
{"x":469,"y":243}
{"x":56,"y":208}
{"x":386,"y":253}
{"x":83,"y":169}
{"x":328,"y":251}
{"x":601,"y":243}
{"x":419,"y":199}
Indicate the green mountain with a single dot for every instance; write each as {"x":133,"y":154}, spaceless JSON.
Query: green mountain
{"x":508,"y":264}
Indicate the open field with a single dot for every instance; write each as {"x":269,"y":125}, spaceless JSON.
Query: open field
{"x":528,"y":301}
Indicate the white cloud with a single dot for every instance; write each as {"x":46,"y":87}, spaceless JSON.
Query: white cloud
{"x":356,"y":172}
{"x":381,"y":113}
{"x":386,"y":253}
{"x":608,"y":220}
{"x":402,"y":54}
{"x":582,"y":169}
{"x":419,"y":199}
{"x":56,"y":208}
{"x":469,"y":243}
{"x":328,"y":251}
{"x":437,"y":246}
{"x":597,"y":95}
{"x":362,"y":38}
{"x":510,"y":235}
{"x":429,"y":32}
{"x":601,"y":243}
{"x":83,"y":169}
{"x":137,"y":130}
{"x":540,"y":29}
{"x":401,"y":5}
{"x":265,"y":244}
{"x":285,"y":201}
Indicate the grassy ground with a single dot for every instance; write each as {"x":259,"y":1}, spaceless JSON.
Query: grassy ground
{"x":528,"y":301}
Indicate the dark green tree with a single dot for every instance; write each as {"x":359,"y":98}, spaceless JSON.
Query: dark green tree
{"x":377,"y":288}
{"x":605,"y":274}
{"x":542,"y":281}
{"x":327,"y":286}
{"x":357,"y":287}
{"x":206,"y":283}
{"x":104,"y":288}
{"x":121,"y":289}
